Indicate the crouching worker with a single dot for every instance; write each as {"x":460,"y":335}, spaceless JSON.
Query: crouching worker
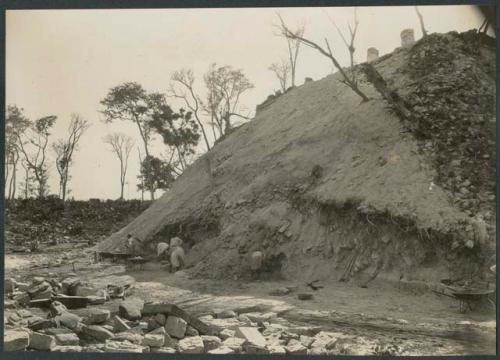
{"x":162,"y":251}
{"x":134,"y":245}
{"x":177,"y":255}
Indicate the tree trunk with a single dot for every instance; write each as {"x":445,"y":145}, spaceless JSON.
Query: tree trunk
{"x":14,"y":178}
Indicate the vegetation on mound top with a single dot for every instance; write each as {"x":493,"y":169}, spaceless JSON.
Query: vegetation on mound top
{"x":453,"y":102}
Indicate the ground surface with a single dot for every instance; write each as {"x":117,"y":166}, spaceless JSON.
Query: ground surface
{"x":420,"y":324}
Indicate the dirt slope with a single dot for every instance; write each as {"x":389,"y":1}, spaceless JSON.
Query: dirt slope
{"x":318,"y":179}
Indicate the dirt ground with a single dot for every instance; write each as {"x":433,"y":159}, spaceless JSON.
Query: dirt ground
{"x":419,"y":323}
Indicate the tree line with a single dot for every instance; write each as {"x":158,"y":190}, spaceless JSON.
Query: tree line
{"x":27,"y":141}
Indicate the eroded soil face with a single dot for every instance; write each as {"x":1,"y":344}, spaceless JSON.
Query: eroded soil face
{"x":380,"y":319}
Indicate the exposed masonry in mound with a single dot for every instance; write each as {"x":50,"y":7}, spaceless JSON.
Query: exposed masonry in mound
{"x":407,"y":38}
{"x":371,"y":54}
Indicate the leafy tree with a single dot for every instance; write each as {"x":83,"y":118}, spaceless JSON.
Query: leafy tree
{"x":155,"y":174}
{"x":121,"y":145}
{"x":182,"y":87}
{"x":37,"y":137}
{"x":129,"y":101}
{"x":180,"y":132}
{"x":65,"y":149}
{"x":15,"y":126}
{"x":225,"y":86}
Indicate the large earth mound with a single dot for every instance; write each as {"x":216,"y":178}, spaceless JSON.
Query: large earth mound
{"x":326,"y":185}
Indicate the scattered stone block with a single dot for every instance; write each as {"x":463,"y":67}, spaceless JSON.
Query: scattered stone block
{"x":22,"y":298}
{"x":191,"y":331}
{"x":169,"y":342}
{"x":176,"y":327}
{"x":40,"y":324}
{"x":154,"y":340}
{"x":282,"y":291}
{"x":67,"y":339}
{"x":160,"y":330}
{"x":223,"y":350}
{"x":16,"y":340}
{"x":98,"y":316}
{"x":69,"y":320}
{"x":96,"y":300}
{"x":252,"y":336}
{"x":119,"y":325}
{"x":69,"y":285}
{"x":234,"y":343}
{"x":165,"y":350}
{"x":191,"y":345}
{"x":260,"y":317}
{"x":122,"y":347}
{"x":130,"y":309}
{"x":130,"y":336}
{"x":211,"y":342}
{"x":276,"y":349}
{"x":97,"y":332}
{"x":42,"y":342}
{"x":161,"y":319}
{"x":22,"y":286}
{"x":225,"y":314}
{"x":295,"y":347}
{"x":62,"y":348}
{"x":306,"y":340}
{"x":73,"y":302}
{"x":226,"y":333}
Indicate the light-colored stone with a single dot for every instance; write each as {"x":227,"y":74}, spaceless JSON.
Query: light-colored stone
{"x":211,"y":342}
{"x":306,"y":340}
{"x":122,"y":347}
{"x":67,"y":339}
{"x":225,"y":314}
{"x":222,"y":324}
{"x":260,"y":317}
{"x":154,"y":340}
{"x":223,"y":350}
{"x":130,"y":309}
{"x":119,"y":325}
{"x":130,"y":336}
{"x":97,"y":332}
{"x":160,"y":330}
{"x":251,"y":335}
{"x":98,"y":316}
{"x":165,"y":350}
{"x":176,"y":327}
{"x":42,"y":342}
{"x":62,"y":348}
{"x":69,"y":320}
{"x":169,"y":342}
{"x":16,"y":340}
{"x":226,"y":333}
{"x":295,"y":347}
{"x":234,"y":343}
{"x":276,"y":349}
{"x":191,"y":345}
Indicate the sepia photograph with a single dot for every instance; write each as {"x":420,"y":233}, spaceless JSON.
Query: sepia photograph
{"x":313,"y":180}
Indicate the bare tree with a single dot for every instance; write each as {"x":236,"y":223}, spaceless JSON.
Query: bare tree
{"x":185,"y":80}
{"x":282,"y":72}
{"x":421,"y":19}
{"x":293,"y":50}
{"x":121,"y":145}
{"x":328,"y":53}
{"x":350,"y":45}
{"x":65,"y":149}
{"x":225,"y":86}
{"x":37,"y":136}
{"x":142,"y":187}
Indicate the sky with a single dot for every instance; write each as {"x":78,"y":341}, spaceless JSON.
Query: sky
{"x":60,"y":62}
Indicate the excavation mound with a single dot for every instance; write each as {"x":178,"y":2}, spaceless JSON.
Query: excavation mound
{"x":326,"y":185}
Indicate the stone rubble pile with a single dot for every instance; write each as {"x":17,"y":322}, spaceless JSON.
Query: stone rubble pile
{"x":52,"y":316}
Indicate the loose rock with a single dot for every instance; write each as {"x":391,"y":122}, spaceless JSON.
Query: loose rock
{"x":176,"y":327}
{"x":191,"y":345}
